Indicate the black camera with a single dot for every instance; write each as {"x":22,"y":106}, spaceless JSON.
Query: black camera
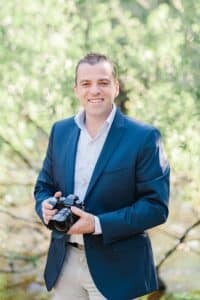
{"x":64,"y":218}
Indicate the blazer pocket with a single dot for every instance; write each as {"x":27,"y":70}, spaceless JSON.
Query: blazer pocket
{"x":117,"y":169}
{"x":137,"y":241}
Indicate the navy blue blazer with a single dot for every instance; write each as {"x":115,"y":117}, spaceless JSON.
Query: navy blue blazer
{"x":128,"y":191}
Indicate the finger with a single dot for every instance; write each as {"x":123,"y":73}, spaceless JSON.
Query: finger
{"x":50,"y":212}
{"x":58,"y":194}
{"x":47,"y":219}
{"x":46,"y":205}
{"x":75,"y":229}
{"x":46,"y":209}
{"x":83,"y":225}
{"x":77,"y":211}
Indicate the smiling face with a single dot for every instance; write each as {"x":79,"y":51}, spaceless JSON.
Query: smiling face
{"x":96,"y":89}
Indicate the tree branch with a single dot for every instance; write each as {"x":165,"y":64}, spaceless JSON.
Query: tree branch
{"x":28,"y":259}
{"x":31,"y":258}
{"x":28,"y":220}
{"x":13,"y":271}
{"x":22,"y":283}
{"x":144,"y":3}
{"x":36,"y":125}
{"x":169,"y":234}
{"x":18,"y":153}
{"x":180,"y":241}
{"x":12,"y":183}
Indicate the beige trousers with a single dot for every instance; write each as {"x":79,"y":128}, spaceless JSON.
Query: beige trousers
{"x":75,"y":281}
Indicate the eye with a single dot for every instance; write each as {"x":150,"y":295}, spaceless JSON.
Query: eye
{"x":85,"y":84}
{"x":104,"y":83}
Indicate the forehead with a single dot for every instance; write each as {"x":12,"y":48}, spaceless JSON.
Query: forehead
{"x":94,"y":72}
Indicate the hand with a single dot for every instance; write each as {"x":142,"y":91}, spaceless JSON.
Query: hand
{"x":47,"y":209}
{"x":86,"y":223}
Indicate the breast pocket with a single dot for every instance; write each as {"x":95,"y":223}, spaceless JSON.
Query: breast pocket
{"x":117,"y":170}
{"x":116,"y":179}
{"x":116,"y":188}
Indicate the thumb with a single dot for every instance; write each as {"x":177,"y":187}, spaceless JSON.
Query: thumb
{"x":77,"y":211}
{"x":58,"y":194}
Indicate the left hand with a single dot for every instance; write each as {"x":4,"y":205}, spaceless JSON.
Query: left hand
{"x":86,"y":223}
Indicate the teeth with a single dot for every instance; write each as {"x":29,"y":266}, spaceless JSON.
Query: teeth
{"x":95,"y":100}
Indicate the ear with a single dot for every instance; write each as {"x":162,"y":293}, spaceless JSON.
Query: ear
{"x":75,"y":90}
{"x":116,"y":88}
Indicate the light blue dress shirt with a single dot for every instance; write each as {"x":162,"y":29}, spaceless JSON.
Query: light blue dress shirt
{"x":88,"y":151}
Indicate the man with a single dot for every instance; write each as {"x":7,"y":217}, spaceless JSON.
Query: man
{"x":117,"y":167}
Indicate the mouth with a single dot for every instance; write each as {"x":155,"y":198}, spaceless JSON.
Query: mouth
{"x":95,"y":100}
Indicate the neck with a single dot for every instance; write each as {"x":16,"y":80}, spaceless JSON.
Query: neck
{"x":93,"y":124}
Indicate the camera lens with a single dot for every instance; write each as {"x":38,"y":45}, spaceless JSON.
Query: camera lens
{"x":62,"y":222}
{"x":61,"y":226}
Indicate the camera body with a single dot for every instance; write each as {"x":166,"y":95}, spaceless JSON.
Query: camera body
{"x":64,"y":218}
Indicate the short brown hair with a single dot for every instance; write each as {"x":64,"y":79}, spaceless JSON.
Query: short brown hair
{"x":95,"y":58}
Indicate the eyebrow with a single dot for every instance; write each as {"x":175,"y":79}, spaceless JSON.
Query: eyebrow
{"x":100,"y":79}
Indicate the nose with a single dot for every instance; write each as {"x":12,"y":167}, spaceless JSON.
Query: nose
{"x":94,"y":89}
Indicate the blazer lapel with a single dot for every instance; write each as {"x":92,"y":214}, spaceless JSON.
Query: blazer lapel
{"x":71,"y":148}
{"x":112,"y":140}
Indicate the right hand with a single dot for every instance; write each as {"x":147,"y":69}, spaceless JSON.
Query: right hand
{"x":47,"y":209}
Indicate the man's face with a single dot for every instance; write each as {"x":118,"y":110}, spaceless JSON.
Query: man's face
{"x":96,"y":89}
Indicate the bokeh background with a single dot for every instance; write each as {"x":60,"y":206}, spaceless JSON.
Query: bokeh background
{"x":156,"y":45}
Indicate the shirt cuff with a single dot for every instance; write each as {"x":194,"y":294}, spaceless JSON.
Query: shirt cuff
{"x":98,"y":229}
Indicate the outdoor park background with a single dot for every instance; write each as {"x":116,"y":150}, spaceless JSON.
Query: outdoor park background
{"x":156,"y":45}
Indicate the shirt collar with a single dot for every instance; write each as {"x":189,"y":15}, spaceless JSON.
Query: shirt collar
{"x":80,"y":118}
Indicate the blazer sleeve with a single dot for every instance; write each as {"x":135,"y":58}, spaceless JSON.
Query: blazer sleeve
{"x":44,"y":187}
{"x":152,"y":194}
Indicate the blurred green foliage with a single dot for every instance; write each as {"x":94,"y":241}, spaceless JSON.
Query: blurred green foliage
{"x":182,"y":296}
{"x":156,"y":45}
{"x":156,"y":48}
